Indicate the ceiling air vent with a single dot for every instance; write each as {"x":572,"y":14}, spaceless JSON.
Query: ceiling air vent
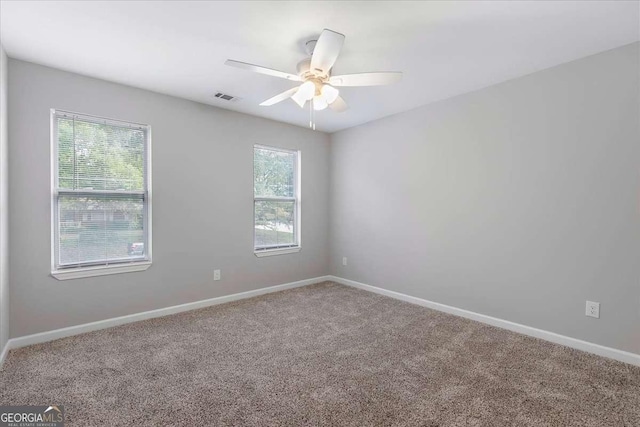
{"x":226,"y":97}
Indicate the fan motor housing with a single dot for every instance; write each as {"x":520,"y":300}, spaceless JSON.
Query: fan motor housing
{"x":304,"y":66}
{"x":306,"y":73}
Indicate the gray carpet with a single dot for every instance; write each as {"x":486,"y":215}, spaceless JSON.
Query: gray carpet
{"x":320,"y":355}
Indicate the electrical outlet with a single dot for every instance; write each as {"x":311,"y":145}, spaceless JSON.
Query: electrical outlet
{"x":216,"y":274}
{"x":344,"y":260}
{"x":593,"y":309}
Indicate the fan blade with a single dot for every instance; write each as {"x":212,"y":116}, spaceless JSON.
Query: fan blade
{"x":262,"y":70}
{"x":366,"y":79}
{"x":279,"y":97}
{"x":326,"y":51}
{"x":339,"y":105}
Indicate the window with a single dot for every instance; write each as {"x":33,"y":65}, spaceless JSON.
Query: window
{"x":101,"y":210}
{"x":276,"y":201}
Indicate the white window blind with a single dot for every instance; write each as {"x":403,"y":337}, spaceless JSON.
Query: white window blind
{"x":276,"y":198}
{"x":101,"y":200}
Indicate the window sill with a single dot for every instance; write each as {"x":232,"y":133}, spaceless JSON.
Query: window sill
{"x":79,"y":273}
{"x":273,"y":252}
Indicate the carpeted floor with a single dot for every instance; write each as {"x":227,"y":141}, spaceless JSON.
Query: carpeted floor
{"x":320,"y":355}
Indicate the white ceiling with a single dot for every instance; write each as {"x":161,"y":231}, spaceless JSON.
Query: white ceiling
{"x":443,"y":48}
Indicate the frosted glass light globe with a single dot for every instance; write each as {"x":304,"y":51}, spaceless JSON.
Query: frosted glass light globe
{"x":307,"y":90}
{"x":319,"y":103}
{"x":329,"y":93}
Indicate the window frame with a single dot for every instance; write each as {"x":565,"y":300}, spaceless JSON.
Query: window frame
{"x":297,"y":223}
{"x":76,"y":271}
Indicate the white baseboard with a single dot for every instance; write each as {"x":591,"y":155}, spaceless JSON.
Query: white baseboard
{"x":4,"y":353}
{"x":600,"y":350}
{"x":116,"y":321}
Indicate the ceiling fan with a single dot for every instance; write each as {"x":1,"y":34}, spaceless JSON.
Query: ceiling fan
{"x":319,"y":87}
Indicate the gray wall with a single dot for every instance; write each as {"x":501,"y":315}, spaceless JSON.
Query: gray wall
{"x":202,"y":202}
{"x":519,"y":201}
{"x":4,"y":228}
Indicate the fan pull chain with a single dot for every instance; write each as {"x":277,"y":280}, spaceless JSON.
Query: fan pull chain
{"x":312,"y":114}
